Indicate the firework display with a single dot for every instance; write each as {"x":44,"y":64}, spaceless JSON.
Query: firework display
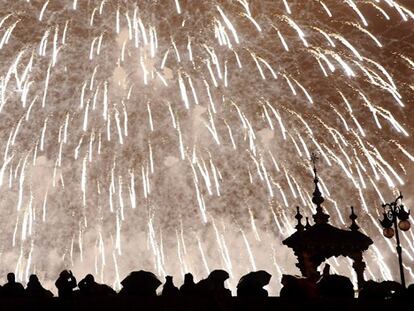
{"x":176,"y":135}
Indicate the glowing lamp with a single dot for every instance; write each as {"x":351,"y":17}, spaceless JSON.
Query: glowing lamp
{"x":388,"y":232}
{"x":404,"y":225}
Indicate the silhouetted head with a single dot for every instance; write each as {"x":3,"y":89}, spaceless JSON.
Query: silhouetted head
{"x":64,"y":274}
{"x":168,"y":279}
{"x":11,"y":278}
{"x":89,"y":278}
{"x":33,"y":278}
{"x":188,"y":278}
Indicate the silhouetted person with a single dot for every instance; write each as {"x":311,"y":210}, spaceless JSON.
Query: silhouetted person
{"x":251,"y":284}
{"x":213,"y":285}
{"x":289,"y":287}
{"x":298,"y":288}
{"x":140,"y":283}
{"x":332,"y":286}
{"x":372,"y":290}
{"x":409,"y":293}
{"x":105,"y":290}
{"x":65,"y":284}
{"x":189,"y":287}
{"x":169,"y":289}
{"x":35,"y":290}
{"x":326,"y":270}
{"x":12,"y":288}
{"x":89,"y":288}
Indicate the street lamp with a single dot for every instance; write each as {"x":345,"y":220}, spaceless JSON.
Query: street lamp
{"x":393,"y":211}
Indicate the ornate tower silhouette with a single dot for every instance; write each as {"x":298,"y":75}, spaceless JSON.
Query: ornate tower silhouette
{"x":313,"y":244}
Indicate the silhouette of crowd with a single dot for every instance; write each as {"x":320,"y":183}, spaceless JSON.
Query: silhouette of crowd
{"x":138,"y":283}
{"x":145,"y":284}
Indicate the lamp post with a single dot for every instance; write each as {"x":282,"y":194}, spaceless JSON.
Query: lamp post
{"x":393,"y":211}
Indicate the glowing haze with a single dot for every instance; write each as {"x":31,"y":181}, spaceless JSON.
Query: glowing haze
{"x":175,"y":136}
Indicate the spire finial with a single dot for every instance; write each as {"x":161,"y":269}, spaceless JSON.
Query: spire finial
{"x":299,"y":226}
{"x":317,"y":195}
{"x":314,"y":159}
{"x":353,"y":217}
{"x":320,"y":217}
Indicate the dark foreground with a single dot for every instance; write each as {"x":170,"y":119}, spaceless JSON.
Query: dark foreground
{"x":199,"y":304}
